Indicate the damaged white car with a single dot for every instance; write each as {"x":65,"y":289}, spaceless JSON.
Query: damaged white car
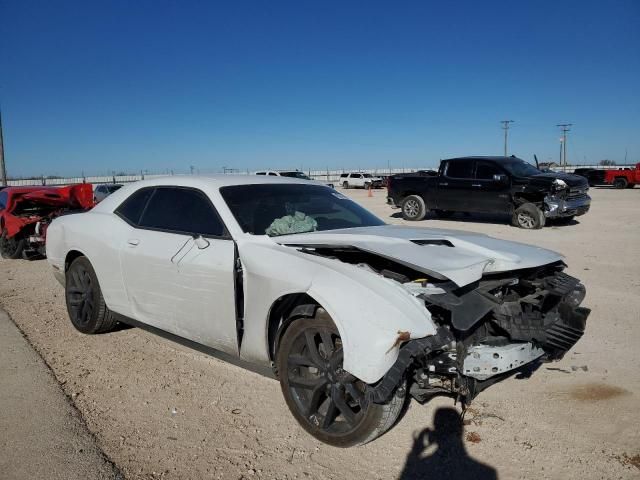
{"x":292,"y":278}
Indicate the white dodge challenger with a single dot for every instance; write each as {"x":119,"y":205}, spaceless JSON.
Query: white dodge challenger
{"x":293,"y":279}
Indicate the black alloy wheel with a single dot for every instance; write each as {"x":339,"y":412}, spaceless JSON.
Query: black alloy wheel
{"x":85,"y":305}
{"x":327,"y":401}
{"x":11,"y":247}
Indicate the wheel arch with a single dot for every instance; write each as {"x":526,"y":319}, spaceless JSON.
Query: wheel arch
{"x":70,"y":257}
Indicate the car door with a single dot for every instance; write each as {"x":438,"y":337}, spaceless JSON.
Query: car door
{"x":454,"y":186}
{"x":491,"y":188}
{"x":177,"y":266}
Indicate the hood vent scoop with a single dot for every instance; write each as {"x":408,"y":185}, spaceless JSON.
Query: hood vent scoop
{"x":440,"y":243}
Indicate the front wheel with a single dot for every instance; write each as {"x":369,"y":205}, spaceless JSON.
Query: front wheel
{"x":413,"y":208}
{"x":528,"y":216}
{"x":345,"y":185}
{"x":11,"y":247}
{"x":327,"y":401}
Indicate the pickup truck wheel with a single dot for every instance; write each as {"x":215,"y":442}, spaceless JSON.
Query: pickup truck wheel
{"x":345,"y":185}
{"x":620,"y":183}
{"x":85,"y":304}
{"x":11,"y":247}
{"x":413,"y":208}
{"x":528,"y":216}
{"x":327,"y":401}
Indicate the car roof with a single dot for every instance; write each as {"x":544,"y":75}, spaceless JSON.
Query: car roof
{"x":498,"y":158}
{"x":217,"y":181}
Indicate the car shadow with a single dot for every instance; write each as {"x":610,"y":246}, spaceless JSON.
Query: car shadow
{"x":496,"y":219}
{"x":450,"y":458}
{"x":466,"y":217}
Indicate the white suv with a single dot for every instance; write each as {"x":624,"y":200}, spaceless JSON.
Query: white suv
{"x":290,"y":173}
{"x":358,"y":179}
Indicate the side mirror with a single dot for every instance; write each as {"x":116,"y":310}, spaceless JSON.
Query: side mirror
{"x":500,"y":178}
{"x":201,"y":242}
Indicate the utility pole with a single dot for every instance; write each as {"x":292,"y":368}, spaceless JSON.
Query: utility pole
{"x":3,"y":169}
{"x":505,"y":127}
{"x":565,"y":128}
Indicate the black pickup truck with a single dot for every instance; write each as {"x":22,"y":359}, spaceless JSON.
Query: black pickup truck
{"x":491,"y":185}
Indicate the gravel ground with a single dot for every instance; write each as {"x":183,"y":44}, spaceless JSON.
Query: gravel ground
{"x":160,"y":410}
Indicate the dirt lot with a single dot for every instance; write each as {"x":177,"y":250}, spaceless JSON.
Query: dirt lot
{"x":162,"y":411}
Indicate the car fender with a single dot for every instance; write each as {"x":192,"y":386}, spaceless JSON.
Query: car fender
{"x":369,"y":311}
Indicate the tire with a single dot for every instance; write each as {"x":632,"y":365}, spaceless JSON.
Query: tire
{"x":528,"y":216}
{"x":85,"y":304}
{"x":620,"y":183}
{"x":413,"y":208}
{"x":345,"y":185}
{"x":326,"y":400}
{"x":11,"y":248}
{"x":444,"y":213}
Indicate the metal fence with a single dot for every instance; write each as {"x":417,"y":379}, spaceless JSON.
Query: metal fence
{"x":322,"y":175}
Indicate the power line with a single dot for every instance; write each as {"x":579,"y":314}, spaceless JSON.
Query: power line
{"x":505,"y":127}
{"x":3,"y":169}
{"x":563,"y":150}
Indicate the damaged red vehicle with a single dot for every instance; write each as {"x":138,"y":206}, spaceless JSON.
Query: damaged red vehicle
{"x":26,"y":212}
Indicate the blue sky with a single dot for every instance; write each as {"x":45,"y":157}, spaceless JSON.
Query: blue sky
{"x":101,"y":86}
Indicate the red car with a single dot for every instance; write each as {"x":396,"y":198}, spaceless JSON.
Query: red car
{"x":26,"y":212}
{"x":623,"y":178}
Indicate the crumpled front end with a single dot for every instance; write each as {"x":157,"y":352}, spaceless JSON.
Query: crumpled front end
{"x":565,"y":201}
{"x":486,"y":332}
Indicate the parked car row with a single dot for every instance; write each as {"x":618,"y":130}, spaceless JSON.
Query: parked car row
{"x":290,"y":278}
{"x":498,"y":185}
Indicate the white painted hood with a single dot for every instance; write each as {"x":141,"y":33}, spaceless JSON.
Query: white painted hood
{"x":472,"y":254}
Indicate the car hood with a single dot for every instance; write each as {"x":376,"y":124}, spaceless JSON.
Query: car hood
{"x":462,"y":257}
{"x":569,"y":178}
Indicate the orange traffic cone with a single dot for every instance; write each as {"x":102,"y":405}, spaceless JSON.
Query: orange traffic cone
{"x":370,"y":194}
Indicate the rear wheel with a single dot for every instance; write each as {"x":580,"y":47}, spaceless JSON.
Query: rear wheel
{"x":528,"y":216}
{"x":85,"y":303}
{"x":413,"y":208}
{"x":327,"y":401}
{"x":345,"y":185}
{"x":11,"y":247}
{"x":620,"y":182}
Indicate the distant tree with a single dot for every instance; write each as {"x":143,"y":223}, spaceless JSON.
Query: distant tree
{"x":607,"y":163}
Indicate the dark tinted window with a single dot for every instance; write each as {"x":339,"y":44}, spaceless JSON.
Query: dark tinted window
{"x":132,"y":207}
{"x":182,"y":210}
{"x":282,"y":209}
{"x":486,"y":171}
{"x":260,"y":173}
{"x":460,"y":169}
{"x":520,"y":168}
{"x":4,"y":198}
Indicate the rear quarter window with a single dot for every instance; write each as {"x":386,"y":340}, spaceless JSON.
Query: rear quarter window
{"x":131,"y":209}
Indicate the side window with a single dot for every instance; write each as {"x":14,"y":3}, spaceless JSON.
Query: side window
{"x":460,"y":169}
{"x":131,"y":209}
{"x":343,"y":175}
{"x":182,"y":210}
{"x":4,"y":199}
{"x":260,"y":173}
{"x":273,"y":174}
{"x":486,"y":171}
